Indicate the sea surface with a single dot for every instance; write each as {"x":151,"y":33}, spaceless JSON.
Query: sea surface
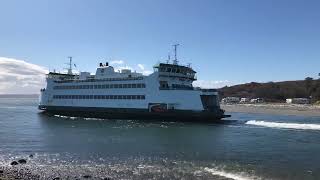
{"x":256,"y":146}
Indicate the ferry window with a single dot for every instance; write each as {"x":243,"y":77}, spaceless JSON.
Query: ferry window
{"x":96,"y":86}
{"x":168,"y":69}
{"x":162,"y":69}
{"x":103,"y":86}
{"x":116,"y":86}
{"x":99,"y":86}
{"x":174,"y":70}
{"x":134,"y":85}
{"x":111,"y":97}
{"x":91,"y":86}
{"x":129,"y":86}
{"x":111,"y":85}
{"x":143,"y":85}
{"x":125,"y":85}
{"x":178,"y":70}
{"x":143,"y":97}
{"x":119,"y":97}
{"x":115,"y":97}
{"x":95,"y":97}
{"x":138,"y":85}
{"x":120,"y":85}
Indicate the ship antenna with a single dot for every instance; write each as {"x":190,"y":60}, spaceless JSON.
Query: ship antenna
{"x":70,"y":65}
{"x":175,"y":61}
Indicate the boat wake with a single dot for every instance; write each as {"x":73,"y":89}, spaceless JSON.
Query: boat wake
{"x":284,"y":125}
{"x":228,"y":175}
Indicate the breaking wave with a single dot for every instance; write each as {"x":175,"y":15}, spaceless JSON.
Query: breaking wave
{"x":234,"y":176}
{"x":284,"y":125}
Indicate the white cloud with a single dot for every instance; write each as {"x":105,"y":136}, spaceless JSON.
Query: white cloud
{"x":116,"y":62}
{"x":141,"y":66}
{"x":18,"y":76}
{"x":143,"y":70}
{"x":119,"y":68}
{"x":212,"y":84}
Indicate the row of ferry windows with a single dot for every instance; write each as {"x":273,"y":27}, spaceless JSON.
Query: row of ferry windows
{"x":99,"y":97}
{"x":101,"y":86}
{"x":99,"y":80}
{"x":176,"y":70}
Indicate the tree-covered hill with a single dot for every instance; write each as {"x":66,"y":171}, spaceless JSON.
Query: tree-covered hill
{"x":275,"y":91}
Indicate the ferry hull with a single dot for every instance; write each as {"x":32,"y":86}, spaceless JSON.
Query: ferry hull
{"x":135,"y":114}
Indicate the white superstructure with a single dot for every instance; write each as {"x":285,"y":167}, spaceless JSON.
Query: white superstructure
{"x":168,"y":89}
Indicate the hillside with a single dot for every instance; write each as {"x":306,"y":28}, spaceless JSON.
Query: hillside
{"x":275,"y":91}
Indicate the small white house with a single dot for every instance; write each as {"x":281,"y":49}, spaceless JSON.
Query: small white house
{"x":257,"y":100}
{"x":230,"y":100}
{"x":298,"y":101}
{"x":244,"y":100}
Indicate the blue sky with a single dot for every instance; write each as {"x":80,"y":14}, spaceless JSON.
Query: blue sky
{"x":234,"y":40}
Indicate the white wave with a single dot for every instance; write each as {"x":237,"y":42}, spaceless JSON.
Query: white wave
{"x":285,"y":125}
{"x":235,"y":176}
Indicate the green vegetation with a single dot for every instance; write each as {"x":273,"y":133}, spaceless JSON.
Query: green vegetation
{"x":276,"y":91}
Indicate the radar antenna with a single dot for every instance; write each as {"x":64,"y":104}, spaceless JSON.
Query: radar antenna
{"x":175,"y":61}
{"x":70,"y":65}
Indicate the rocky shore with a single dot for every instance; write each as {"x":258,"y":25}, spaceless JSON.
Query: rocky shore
{"x":274,"y":108}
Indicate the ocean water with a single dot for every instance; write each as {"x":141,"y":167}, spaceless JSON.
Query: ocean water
{"x":257,"y":146}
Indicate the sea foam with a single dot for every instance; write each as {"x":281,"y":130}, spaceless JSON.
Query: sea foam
{"x":285,"y":125}
{"x":235,"y":176}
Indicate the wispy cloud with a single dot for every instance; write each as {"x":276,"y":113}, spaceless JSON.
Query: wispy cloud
{"x":212,"y":84}
{"x":140,"y":68}
{"x":116,"y":62}
{"x":18,"y":76}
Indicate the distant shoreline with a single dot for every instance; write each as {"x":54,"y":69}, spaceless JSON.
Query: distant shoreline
{"x":19,"y":95}
{"x":274,"y":108}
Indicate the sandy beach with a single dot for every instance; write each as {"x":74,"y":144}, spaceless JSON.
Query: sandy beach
{"x":266,"y":108}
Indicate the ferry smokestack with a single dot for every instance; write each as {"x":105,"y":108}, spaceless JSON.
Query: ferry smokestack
{"x":101,"y":64}
{"x":107,"y":64}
